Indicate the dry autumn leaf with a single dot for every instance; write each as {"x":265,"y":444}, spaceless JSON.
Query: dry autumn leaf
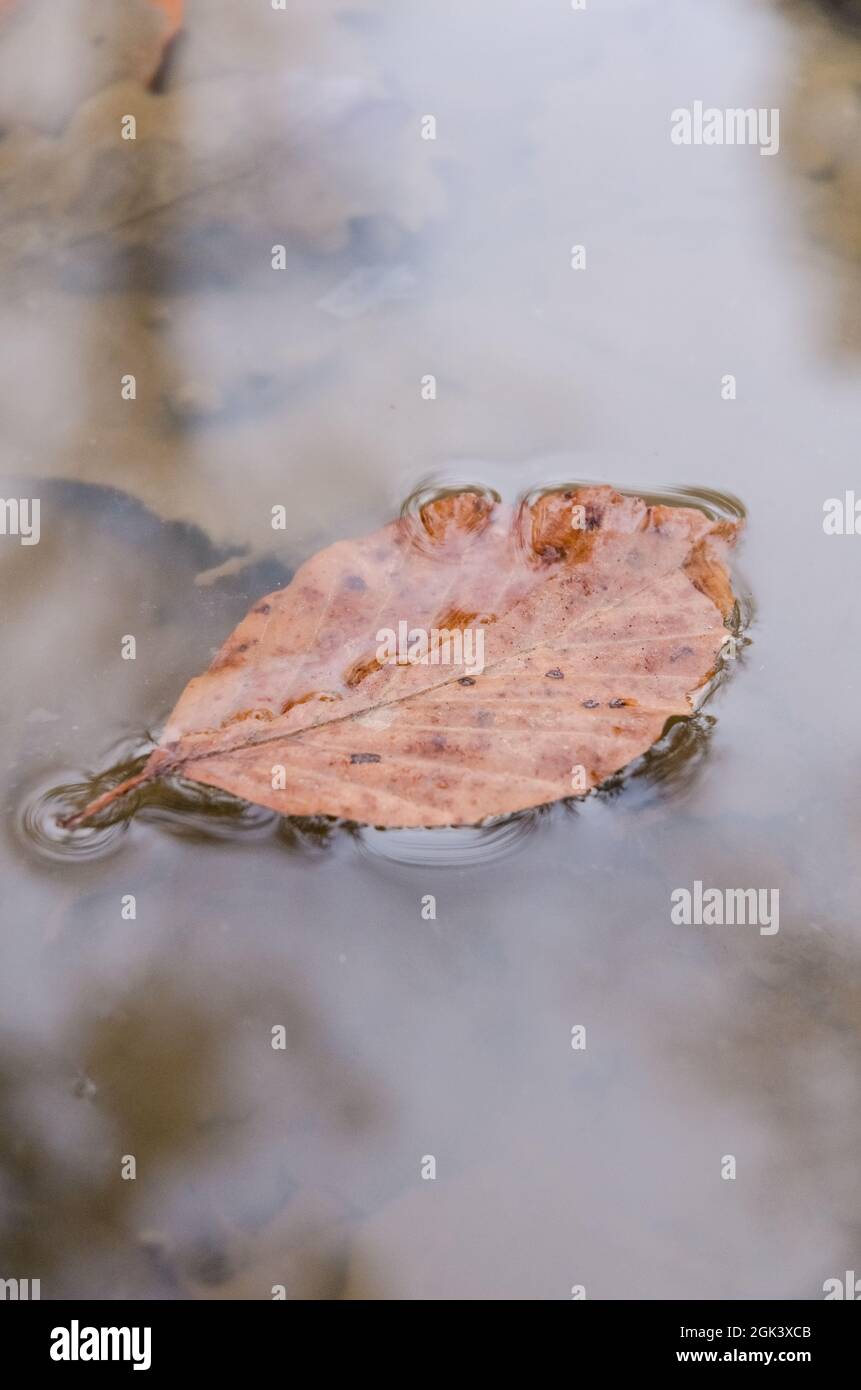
{"x":546,"y":648}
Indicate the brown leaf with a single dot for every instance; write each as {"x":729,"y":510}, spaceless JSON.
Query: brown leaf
{"x":594,"y":633}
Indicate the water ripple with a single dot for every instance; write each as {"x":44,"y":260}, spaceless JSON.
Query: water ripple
{"x":460,"y":847}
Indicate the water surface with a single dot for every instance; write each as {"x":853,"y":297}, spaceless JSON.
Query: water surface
{"x":408,"y":1036}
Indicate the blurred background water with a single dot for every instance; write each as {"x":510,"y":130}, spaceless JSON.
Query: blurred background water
{"x":409,"y":1037}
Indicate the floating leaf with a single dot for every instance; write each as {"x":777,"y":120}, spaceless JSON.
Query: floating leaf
{"x":469,"y":660}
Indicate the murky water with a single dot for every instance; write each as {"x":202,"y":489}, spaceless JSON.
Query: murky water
{"x":152,"y":1036}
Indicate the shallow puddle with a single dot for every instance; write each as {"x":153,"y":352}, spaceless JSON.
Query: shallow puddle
{"x":427,"y":982}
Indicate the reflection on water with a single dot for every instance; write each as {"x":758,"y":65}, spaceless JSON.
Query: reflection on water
{"x":455,"y":848}
{"x":150,"y":962}
{"x":824,"y":125}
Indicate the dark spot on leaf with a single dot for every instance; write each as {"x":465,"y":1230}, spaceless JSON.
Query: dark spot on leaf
{"x":591,"y":704}
{"x":680,"y":652}
{"x":324,"y":695}
{"x":555,"y":674}
{"x":466,"y":680}
{"x":456,"y":620}
{"x":365,"y":758}
{"x":360,"y":671}
{"x":263,"y":608}
{"x":617,"y":703}
{"x":355,"y":581}
{"x":257,"y":713}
